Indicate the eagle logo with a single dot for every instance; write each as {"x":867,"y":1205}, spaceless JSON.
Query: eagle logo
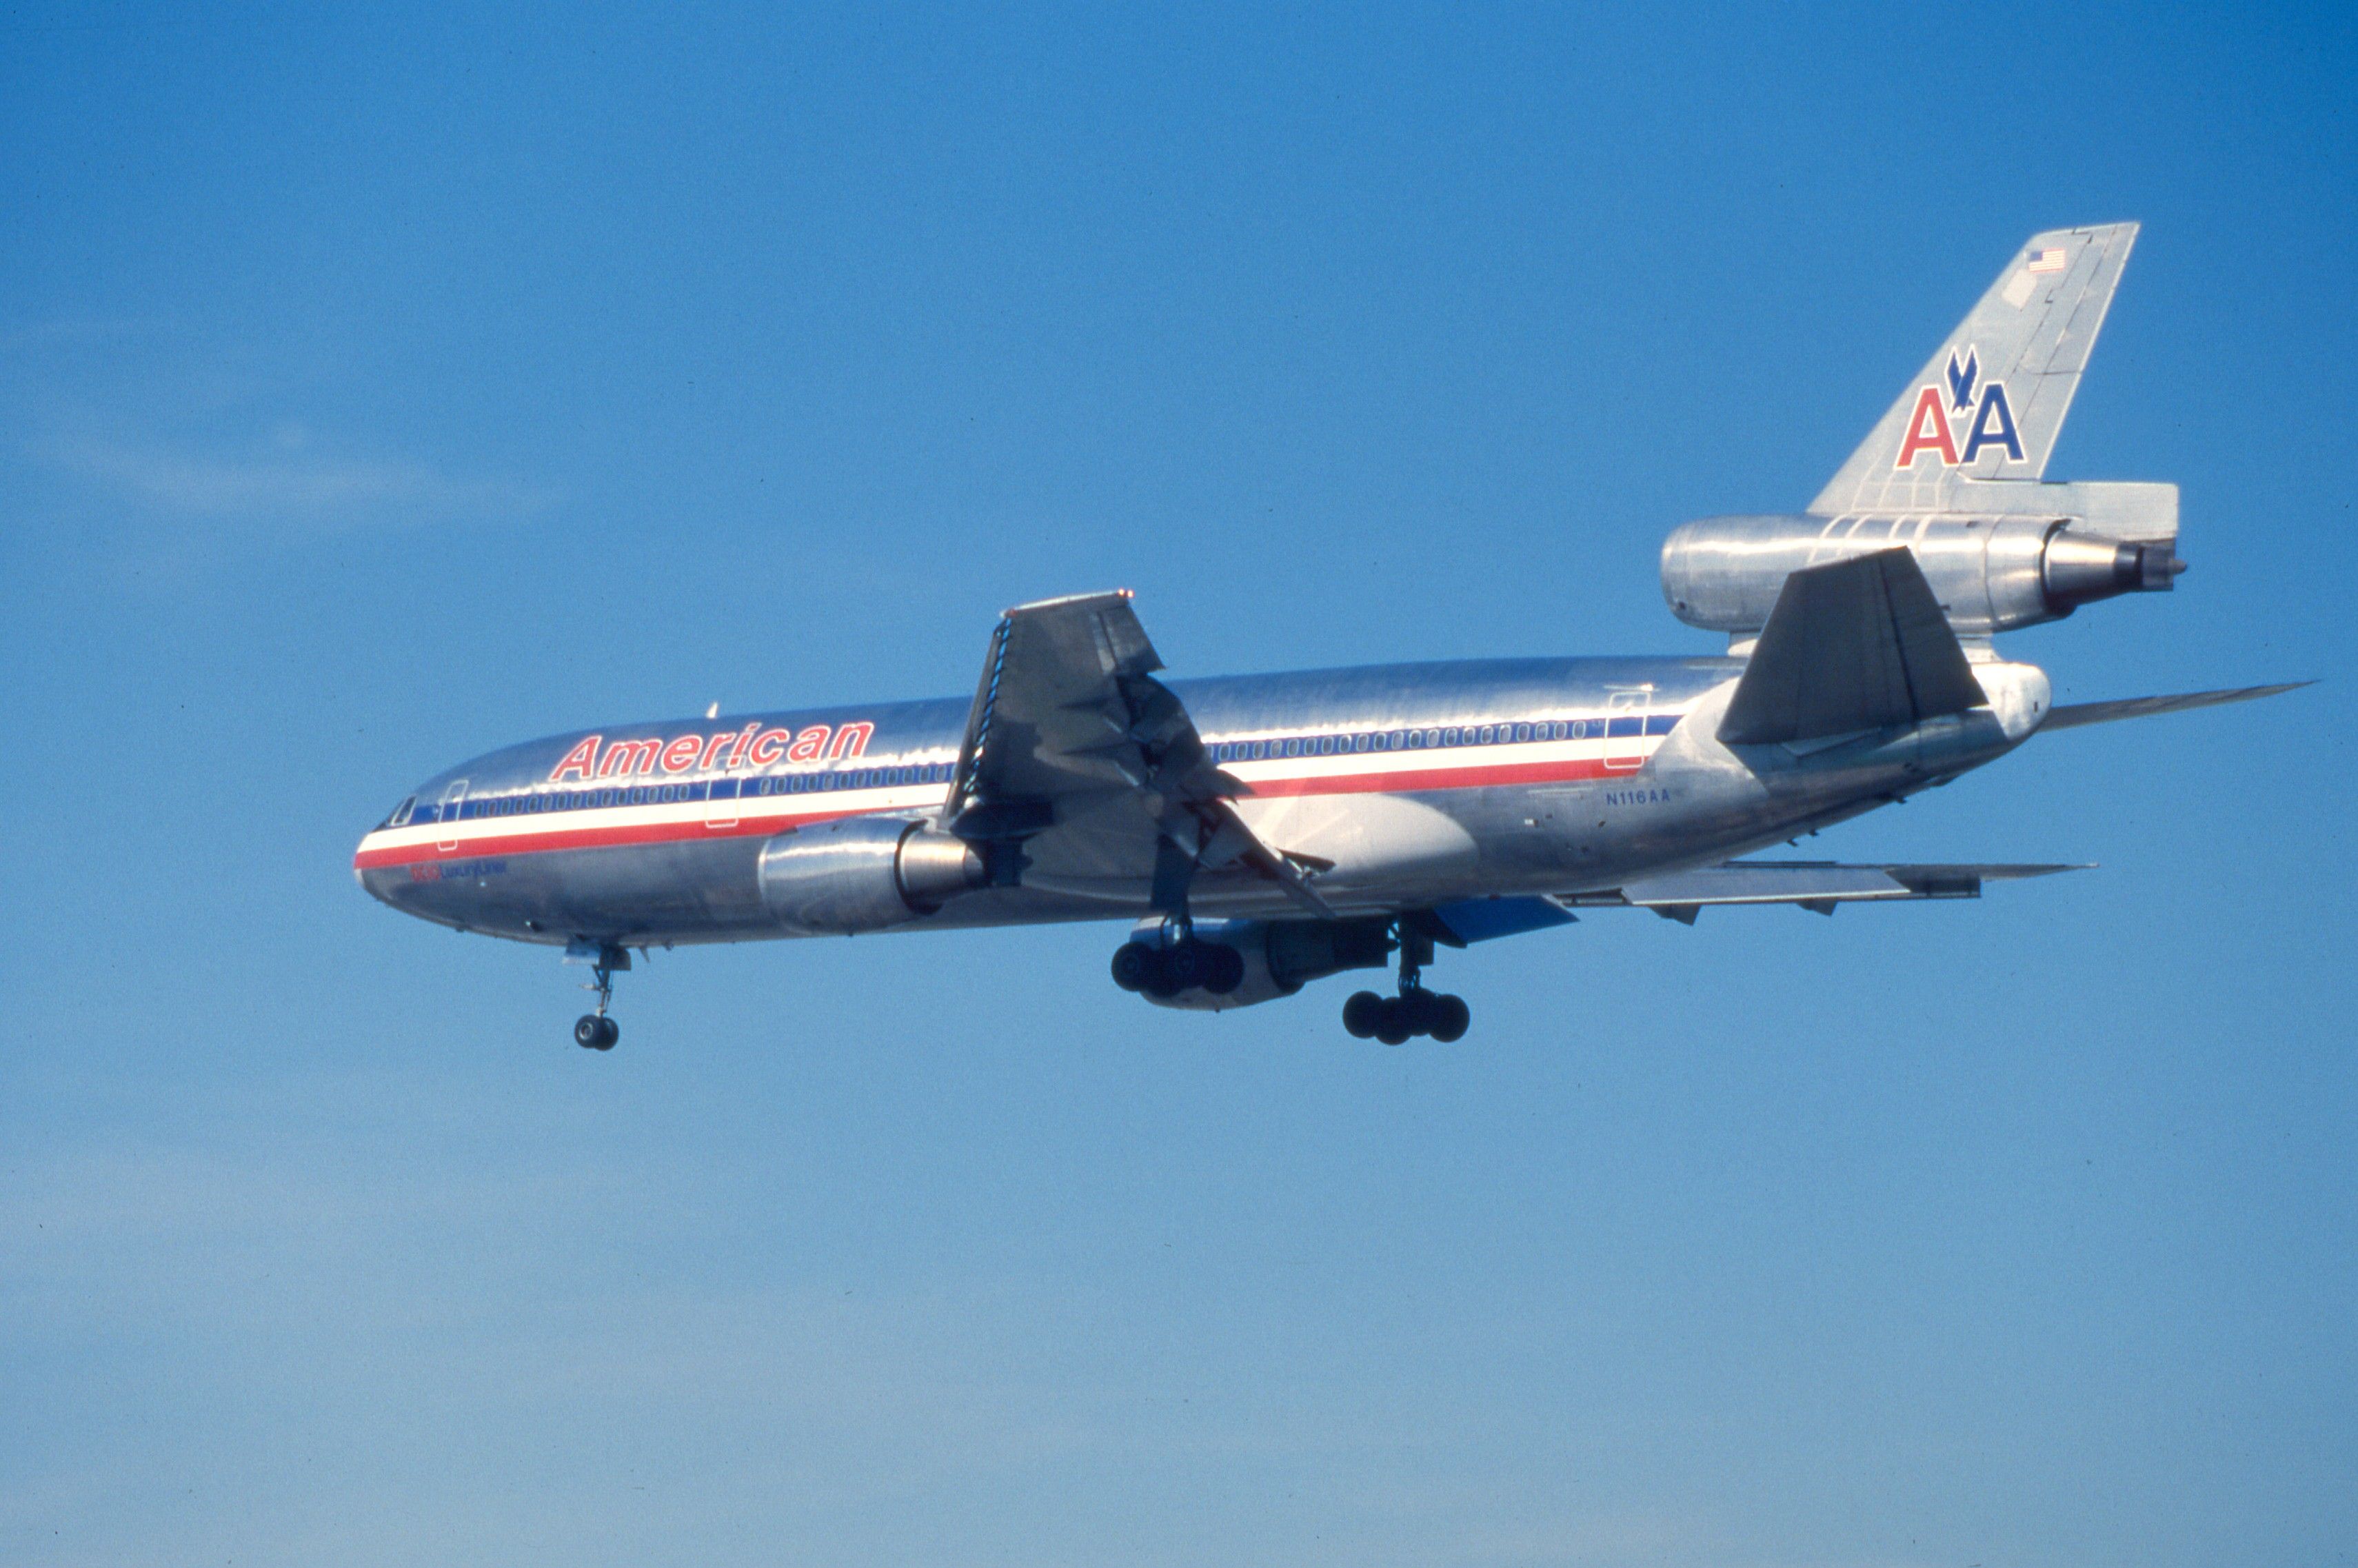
{"x":1962,"y":378}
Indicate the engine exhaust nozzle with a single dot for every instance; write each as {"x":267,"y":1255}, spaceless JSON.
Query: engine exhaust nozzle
{"x":2077,"y":570}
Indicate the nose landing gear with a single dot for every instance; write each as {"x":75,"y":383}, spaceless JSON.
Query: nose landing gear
{"x":1416,"y":1011}
{"x":595,"y":1031}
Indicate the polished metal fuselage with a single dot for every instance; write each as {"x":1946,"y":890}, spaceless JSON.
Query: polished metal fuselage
{"x":1410,"y":785}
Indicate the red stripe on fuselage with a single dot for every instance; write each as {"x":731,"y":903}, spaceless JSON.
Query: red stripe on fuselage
{"x":611,"y":838}
{"x":1401,"y":782}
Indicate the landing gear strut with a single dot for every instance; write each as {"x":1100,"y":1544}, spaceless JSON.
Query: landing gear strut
{"x":595,"y":1031}
{"x":1416,"y":1011}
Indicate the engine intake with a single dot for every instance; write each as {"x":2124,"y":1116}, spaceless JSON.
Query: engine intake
{"x":863,"y":873}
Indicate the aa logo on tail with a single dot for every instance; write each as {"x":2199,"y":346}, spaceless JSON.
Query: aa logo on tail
{"x":1987,"y":418}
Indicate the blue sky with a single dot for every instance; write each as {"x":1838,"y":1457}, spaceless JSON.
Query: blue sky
{"x":376,"y":389}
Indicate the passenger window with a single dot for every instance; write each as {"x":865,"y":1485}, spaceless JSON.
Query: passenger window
{"x":1449,"y":736}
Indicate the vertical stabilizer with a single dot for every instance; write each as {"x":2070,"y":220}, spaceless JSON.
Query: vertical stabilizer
{"x":1989,"y":402}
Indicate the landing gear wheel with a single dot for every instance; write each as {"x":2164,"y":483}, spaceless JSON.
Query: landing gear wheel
{"x":592,"y":1033}
{"x":1188,"y":965}
{"x":1161,"y":977}
{"x":1448,"y":1018}
{"x":1133,"y":965}
{"x":1362,"y":1013}
{"x":1225,"y":970}
{"x":1393,"y":1023}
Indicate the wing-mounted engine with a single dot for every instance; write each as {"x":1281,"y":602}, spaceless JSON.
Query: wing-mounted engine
{"x":1990,"y":572}
{"x":863,"y":873}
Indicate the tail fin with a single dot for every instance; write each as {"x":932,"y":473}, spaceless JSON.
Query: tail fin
{"x":1989,"y":402}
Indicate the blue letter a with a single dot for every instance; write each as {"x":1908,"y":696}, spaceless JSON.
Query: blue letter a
{"x":1994,"y":424}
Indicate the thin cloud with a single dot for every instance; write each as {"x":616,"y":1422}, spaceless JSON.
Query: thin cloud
{"x":294,"y":487}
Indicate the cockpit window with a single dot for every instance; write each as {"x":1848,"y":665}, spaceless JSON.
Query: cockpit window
{"x":400,"y":817}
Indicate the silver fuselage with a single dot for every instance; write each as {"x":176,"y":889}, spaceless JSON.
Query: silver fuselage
{"x":1412,"y":785}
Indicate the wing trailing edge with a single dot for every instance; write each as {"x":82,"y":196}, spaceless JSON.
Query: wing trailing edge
{"x":1814,"y":885}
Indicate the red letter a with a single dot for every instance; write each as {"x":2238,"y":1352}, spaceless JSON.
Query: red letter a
{"x":577,"y":761}
{"x":1928,"y":429}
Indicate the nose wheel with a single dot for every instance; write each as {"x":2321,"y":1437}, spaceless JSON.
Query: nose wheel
{"x":1394,"y":1019}
{"x":595,"y":1031}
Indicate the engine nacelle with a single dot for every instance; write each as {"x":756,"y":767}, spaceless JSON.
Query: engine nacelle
{"x":1990,"y":573}
{"x":863,"y":873}
{"x":1280,"y":956}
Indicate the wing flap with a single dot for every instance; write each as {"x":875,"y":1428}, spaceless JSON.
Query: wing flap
{"x":1076,"y":752}
{"x":1812,"y":884}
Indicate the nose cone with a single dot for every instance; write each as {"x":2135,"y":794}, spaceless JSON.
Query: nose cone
{"x":398,"y":861}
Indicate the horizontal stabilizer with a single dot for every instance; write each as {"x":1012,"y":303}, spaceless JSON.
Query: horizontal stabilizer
{"x":1854,"y":644}
{"x":1817,"y":885}
{"x":2072,"y":715}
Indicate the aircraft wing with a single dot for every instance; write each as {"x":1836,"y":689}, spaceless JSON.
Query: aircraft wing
{"x":1079,"y":761}
{"x":2072,"y":715}
{"x":1815,"y":885}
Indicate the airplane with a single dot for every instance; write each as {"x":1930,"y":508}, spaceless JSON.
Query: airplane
{"x":1260,"y":832}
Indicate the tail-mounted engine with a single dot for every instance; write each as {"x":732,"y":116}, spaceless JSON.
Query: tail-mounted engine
{"x":863,"y":873}
{"x":1990,"y":572}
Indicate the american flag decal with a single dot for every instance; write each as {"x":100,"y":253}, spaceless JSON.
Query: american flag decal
{"x":2047,"y":261}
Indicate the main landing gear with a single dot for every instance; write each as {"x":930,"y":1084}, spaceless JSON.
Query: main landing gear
{"x":1416,"y":1011}
{"x":595,"y":1031}
{"x":1181,"y":961}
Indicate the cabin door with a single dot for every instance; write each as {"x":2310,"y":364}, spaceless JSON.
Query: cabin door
{"x":1624,"y":729}
{"x":452,"y":799}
